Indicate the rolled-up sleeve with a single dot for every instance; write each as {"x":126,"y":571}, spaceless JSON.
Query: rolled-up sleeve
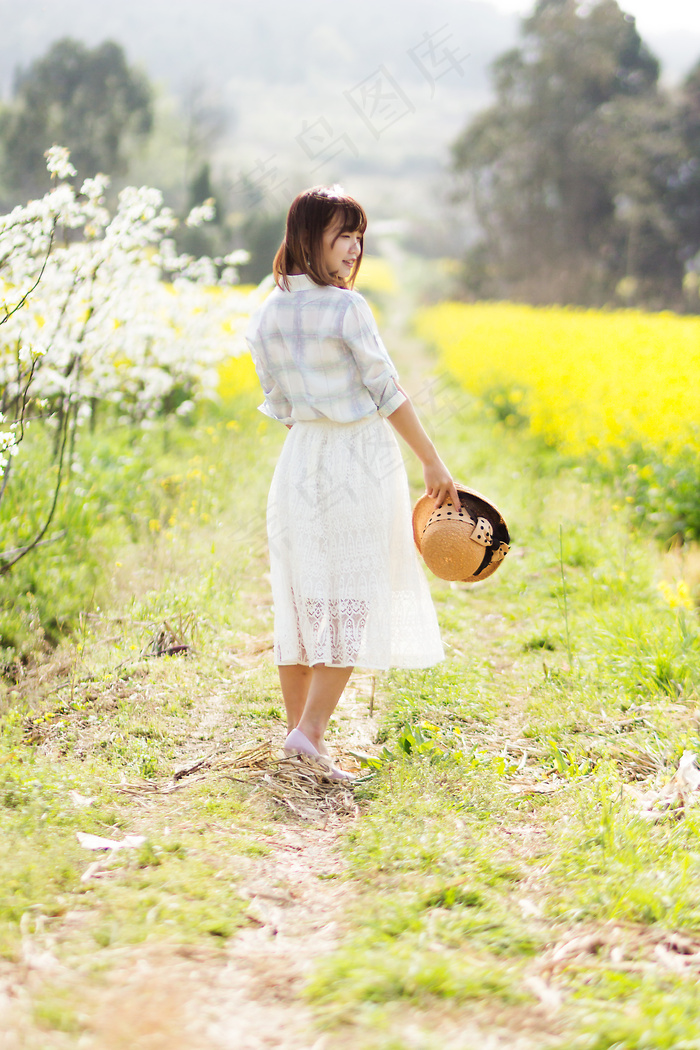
{"x":377,"y":370}
{"x":276,"y":404}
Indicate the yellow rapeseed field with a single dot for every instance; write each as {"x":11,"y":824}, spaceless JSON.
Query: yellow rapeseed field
{"x":585,"y":379}
{"x":237,"y":375}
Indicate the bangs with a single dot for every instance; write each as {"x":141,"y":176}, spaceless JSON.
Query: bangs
{"x":352,"y":215}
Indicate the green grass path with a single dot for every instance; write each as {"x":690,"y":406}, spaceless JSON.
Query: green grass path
{"x":504,"y":876}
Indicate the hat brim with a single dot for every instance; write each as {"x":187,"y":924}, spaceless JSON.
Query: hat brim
{"x":425,"y":506}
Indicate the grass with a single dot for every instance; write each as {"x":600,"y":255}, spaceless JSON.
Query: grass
{"x":637,"y":1012}
{"x":471,"y":871}
{"x":499,"y":823}
{"x":97,"y":715}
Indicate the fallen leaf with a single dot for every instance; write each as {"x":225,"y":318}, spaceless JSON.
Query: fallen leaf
{"x":549,"y":996}
{"x":96,"y":842}
{"x":81,"y":801}
{"x":688,"y":774}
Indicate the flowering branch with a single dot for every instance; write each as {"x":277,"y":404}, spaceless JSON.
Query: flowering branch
{"x":112,"y":316}
{"x":22,"y":552}
{"x":18,"y":306}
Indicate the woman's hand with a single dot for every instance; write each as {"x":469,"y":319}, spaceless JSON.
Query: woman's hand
{"x":439,"y":483}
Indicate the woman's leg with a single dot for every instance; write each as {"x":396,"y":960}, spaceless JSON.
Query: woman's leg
{"x":295,"y":680}
{"x":325,"y":689}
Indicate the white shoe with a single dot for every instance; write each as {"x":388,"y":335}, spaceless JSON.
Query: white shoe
{"x":299,"y":744}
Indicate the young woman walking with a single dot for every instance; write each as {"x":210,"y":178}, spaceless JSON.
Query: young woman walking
{"x":347,"y":584}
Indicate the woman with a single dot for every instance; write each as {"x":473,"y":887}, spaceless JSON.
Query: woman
{"x":347,"y":585}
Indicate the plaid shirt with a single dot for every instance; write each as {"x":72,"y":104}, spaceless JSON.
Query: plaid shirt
{"x":319,"y":355}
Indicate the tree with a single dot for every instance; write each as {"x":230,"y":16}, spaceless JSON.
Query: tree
{"x":212,"y":238}
{"x":567,"y":171}
{"x":88,"y":100}
{"x":262,"y":234}
{"x":686,"y":195}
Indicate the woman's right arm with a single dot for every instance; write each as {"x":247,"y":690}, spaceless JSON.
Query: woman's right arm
{"x":276,"y":404}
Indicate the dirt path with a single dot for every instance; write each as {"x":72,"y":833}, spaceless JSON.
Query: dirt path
{"x":248,"y":995}
{"x":257,"y":1001}
{"x":297,"y":899}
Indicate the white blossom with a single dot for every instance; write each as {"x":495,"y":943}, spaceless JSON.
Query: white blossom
{"x":8,"y":446}
{"x":117,"y":315}
{"x":94,"y":189}
{"x":237,"y":257}
{"x":201,"y":213}
{"x":58,"y":162}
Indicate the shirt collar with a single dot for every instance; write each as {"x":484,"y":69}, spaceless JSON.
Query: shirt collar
{"x":300,"y":282}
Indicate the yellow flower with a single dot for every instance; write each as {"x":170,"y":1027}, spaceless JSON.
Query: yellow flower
{"x":678,"y":597}
{"x":236,"y":376}
{"x":587,"y":380}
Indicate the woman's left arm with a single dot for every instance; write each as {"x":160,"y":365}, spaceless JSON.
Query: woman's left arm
{"x":438,"y":480}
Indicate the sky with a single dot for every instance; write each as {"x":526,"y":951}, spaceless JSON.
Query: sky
{"x":653,"y":16}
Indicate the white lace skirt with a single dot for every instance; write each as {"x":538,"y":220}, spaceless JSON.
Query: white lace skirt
{"x":347,"y":584}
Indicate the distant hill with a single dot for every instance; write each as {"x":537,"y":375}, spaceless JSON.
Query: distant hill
{"x":296,"y":79}
{"x":277,"y":41}
{"x":281,"y":42}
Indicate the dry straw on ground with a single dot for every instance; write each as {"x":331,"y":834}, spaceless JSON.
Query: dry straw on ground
{"x":297,"y":782}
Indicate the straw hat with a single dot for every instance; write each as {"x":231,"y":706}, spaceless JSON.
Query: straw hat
{"x":467,"y":544}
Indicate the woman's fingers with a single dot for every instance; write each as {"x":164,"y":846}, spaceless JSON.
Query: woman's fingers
{"x":445,"y":491}
{"x":439,"y":484}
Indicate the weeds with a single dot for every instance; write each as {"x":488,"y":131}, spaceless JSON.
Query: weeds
{"x":499,"y":873}
{"x":499,"y":837}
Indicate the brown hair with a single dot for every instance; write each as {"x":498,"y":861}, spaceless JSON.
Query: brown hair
{"x":310,"y":215}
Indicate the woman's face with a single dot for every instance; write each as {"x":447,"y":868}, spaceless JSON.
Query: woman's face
{"x":341,"y":250}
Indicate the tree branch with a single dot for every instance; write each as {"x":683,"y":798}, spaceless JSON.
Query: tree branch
{"x":42,"y":543}
{"x":23,"y":551}
{"x":20,"y":304}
